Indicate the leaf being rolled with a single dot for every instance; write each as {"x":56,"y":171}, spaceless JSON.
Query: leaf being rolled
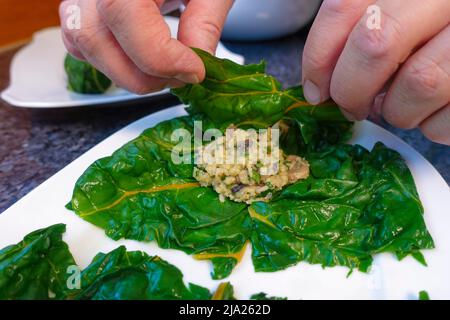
{"x":244,"y":95}
{"x":84,"y":78}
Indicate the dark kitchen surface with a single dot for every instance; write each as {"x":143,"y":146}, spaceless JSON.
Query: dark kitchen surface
{"x":35,"y":144}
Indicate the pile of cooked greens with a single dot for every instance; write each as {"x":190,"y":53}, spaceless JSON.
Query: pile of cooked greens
{"x":42,"y":267}
{"x":355,"y":203}
{"x":84,"y":78}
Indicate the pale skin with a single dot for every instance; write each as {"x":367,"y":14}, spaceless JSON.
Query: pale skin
{"x":400,"y":71}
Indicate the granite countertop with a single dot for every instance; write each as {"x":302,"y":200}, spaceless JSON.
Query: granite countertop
{"x":35,"y":144}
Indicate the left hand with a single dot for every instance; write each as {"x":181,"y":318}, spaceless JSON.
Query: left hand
{"x":401,"y":70}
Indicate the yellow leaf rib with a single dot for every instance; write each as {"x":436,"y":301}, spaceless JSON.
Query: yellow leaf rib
{"x":218,"y":295}
{"x":235,"y":255}
{"x":254,"y":215}
{"x":127,"y":194}
{"x":298,"y":104}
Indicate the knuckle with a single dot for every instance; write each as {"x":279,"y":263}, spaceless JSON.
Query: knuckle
{"x":149,"y":66}
{"x":425,"y":78}
{"x":312,"y":60}
{"x":106,"y":5}
{"x":211,"y":28}
{"x":377,"y":44}
{"x":158,"y":61}
{"x":85,"y":41}
{"x":208,"y":29}
{"x":115,"y":12}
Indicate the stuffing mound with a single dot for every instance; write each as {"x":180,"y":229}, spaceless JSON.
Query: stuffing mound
{"x":248,"y":175}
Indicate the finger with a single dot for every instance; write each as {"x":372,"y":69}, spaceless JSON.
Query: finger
{"x":98,"y":46}
{"x":68,"y":43}
{"x":202,"y":22}
{"x":375,"y":111}
{"x":326,"y":40}
{"x":372,"y":56}
{"x":422,"y":86}
{"x":64,"y":12}
{"x":145,"y":37}
{"x":437,"y":126}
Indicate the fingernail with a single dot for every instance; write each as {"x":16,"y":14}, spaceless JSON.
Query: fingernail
{"x":348,"y":115}
{"x":312,"y":92}
{"x":378,"y":103}
{"x":375,"y":111}
{"x":188,"y":78}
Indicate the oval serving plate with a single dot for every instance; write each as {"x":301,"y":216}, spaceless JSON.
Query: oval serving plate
{"x":388,"y":279}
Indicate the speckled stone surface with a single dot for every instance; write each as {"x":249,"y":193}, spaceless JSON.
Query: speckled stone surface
{"x":35,"y":144}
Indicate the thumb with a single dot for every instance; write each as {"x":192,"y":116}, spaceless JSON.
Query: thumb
{"x":202,"y":22}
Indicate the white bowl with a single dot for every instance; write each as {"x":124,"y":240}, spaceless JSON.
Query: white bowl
{"x":268,"y":19}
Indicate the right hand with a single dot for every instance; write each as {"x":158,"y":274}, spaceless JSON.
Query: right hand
{"x":131,"y":44}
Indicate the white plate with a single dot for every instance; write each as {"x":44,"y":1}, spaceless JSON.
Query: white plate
{"x":389,"y":279}
{"x":38,"y":79}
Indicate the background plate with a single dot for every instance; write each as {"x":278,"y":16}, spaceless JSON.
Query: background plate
{"x":389,"y":278}
{"x":38,"y":79}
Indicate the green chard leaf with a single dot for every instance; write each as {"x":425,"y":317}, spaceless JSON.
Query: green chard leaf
{"x":36,"y":268}
{"x":264,"y":296}
{"x":224,"y":291}
{"x":84,"y":78}
{"x":423,"y":295}
{"x":355,"y":204}
{"x":247,"y":97}
{"x":139,"y":193}
{"x":122,"y":275}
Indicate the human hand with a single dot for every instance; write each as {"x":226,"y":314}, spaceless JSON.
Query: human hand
{"x":131,"y":44}
{"x":401,"y":70}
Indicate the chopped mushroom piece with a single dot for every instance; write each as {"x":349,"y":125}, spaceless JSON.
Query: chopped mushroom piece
{"x":246,"y":181}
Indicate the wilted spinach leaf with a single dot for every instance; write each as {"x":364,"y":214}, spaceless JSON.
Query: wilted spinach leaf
{"x":36,"y":267}
{"x":84,"y":78}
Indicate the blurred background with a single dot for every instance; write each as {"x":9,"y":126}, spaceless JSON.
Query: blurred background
{"x":36,"y":143}
{"x":20,"y":18}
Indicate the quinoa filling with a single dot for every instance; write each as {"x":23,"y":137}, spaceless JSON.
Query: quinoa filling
{"x":249,"y":174}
